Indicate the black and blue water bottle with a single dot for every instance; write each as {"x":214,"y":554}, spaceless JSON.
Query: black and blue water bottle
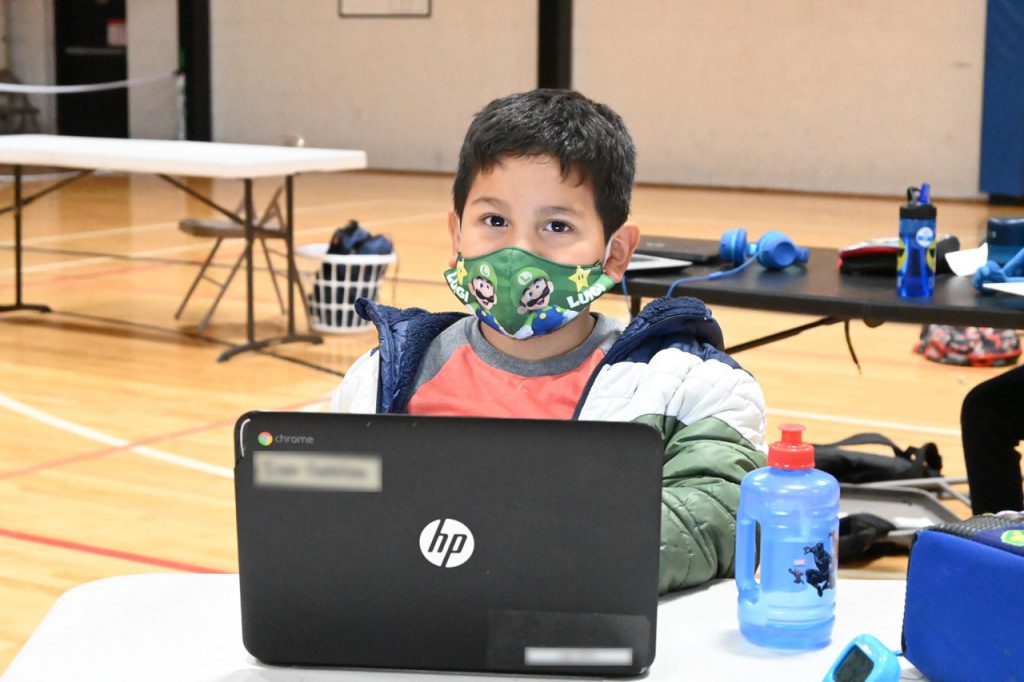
{"x":915,"y":265}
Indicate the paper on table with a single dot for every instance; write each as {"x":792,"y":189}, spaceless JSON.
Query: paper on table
{"x":966,"y":261}
{"x":913,"y":521}
{"x":1007,"y":287}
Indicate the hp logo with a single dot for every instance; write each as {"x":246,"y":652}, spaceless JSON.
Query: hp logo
{"x":447,"y":543}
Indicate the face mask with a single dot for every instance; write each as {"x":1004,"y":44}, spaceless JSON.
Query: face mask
{"x":520,"y":294}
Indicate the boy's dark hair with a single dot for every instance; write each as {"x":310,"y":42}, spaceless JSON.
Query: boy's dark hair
{"x":586,"y":137}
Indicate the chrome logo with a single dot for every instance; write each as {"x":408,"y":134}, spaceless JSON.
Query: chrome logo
{"x":265,"y":438}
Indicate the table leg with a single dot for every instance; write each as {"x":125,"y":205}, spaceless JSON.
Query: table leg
{"x":634,"y":306}
{"x":250,"y":325}
{"x":18,"y":205}
{"x":290,"y":336}
{"x":772,"y":338}
{"x":289,"y":243}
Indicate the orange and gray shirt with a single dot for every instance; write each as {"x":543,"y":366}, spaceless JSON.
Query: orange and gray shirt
{"x":462,"y":374}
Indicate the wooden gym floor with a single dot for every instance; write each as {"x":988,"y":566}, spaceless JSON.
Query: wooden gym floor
{"x":118,"y":420}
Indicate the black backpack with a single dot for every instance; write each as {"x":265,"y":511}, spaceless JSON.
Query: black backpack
{"x":865,"y":535}
{"x":853,"y":466}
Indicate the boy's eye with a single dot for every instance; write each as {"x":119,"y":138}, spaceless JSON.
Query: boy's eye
{"x":557,"y":226}
{"x":495,"y":221}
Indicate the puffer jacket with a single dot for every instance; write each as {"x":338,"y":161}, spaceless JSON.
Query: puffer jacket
{"x":666,"y":370}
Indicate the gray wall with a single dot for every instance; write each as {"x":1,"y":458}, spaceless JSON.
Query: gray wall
{"x":152,"y":51}
{"x":404,"y":90}
{"x":30,"y":32}
{"x":861,"y":97}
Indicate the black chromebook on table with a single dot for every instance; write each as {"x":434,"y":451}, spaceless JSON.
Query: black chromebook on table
{"x":384,"y":541}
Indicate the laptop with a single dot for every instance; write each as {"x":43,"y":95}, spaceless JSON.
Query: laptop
{"x":447,"y":543}
{"x":701,"y":252}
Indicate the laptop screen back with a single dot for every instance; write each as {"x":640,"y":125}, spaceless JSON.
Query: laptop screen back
{"x":448,"y":543}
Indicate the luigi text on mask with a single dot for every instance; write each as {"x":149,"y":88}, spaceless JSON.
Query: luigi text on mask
{"x":539,"y":229}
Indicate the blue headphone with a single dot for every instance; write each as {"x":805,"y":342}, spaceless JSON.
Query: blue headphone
{"x":993,"y":273}
{"x":773,"y":250}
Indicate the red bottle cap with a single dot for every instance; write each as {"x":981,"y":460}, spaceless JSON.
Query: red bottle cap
{"x":791,"y":452}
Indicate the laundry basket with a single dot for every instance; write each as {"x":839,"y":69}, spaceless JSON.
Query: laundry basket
{"x":333,"y":283}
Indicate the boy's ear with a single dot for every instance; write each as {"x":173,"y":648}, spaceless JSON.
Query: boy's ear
{"x":453,"y":232}
{"x":623,"y":244}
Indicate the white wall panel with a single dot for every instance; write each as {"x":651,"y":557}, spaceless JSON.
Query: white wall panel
{"x":862,"y":97}
{"x":152,"y":51}
{"x":402,"y":89}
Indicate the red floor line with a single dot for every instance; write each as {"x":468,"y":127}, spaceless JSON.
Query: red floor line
{"x":60,"y":279}
{"x":259,"y":299}
{"x":56,"y":463}
{"x":103,"y":551}
{"x":95,"y":454}
{"x":135,"y":268}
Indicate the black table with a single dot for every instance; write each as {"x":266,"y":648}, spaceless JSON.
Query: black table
{"x":819,"y":289}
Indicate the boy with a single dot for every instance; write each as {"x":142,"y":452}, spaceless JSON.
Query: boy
{"x":539,"y":230}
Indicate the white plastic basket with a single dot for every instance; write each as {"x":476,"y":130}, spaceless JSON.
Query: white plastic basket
{"x":334,"y":283}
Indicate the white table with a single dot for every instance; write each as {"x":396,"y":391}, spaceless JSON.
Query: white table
{"x":178,"y":627}
{"x":167,"y":158}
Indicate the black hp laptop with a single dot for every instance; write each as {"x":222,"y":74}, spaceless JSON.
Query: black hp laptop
{"x":448,"y":543}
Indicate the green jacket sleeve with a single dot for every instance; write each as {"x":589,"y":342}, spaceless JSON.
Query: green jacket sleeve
{"x":704,"y":464}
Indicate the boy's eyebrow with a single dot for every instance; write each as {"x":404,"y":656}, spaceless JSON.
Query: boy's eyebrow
{"x":497,"y":203}
{"x":545,"y":210}
{"x":560,"y":209}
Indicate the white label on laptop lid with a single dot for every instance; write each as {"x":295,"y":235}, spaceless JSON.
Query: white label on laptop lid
{"x":317,"y":471}
{"x":578,"y":656}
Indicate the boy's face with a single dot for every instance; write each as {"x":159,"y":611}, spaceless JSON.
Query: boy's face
{"x":525,"y":202}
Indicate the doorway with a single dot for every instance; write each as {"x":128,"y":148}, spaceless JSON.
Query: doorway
{"x":91,"y":48}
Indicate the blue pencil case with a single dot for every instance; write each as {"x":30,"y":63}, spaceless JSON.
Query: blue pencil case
{"x":965,"y":600}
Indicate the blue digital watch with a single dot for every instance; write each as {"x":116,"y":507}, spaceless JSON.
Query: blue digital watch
{"x":865,"y":659}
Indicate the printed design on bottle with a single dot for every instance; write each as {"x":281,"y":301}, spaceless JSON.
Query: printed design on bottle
{"x":925,"y":236}
{"x":822,"y":576}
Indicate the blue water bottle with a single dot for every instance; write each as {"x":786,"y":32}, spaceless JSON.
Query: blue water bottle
{"x":915,"y":265}
{"x":796,"y":506}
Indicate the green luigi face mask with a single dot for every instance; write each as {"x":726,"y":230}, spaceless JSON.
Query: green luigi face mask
{"x":522,"y":295}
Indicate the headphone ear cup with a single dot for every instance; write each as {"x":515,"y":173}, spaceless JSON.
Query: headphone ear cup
{"x":776,"y":251}
{"x":732,"y":247}
{"x":989,"y":273}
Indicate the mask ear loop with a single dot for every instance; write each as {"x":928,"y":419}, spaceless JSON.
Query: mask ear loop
{"x":625,"y":291}
{"x":607,"y":252}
